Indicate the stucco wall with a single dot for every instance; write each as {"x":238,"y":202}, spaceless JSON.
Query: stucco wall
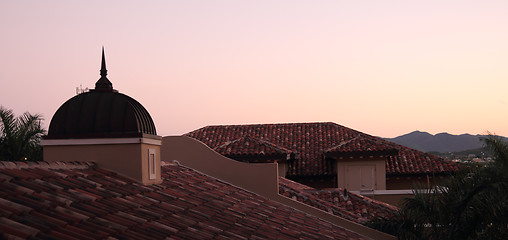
{"x":256,"y":177}
{"x":282,"y":168}
{"x":260,"y":178}
{"x":377,"y":163}
{"x":393,"y":183}
{"x":130,"y":160}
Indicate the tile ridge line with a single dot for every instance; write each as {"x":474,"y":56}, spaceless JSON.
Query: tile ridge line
{"x":57,"y":165}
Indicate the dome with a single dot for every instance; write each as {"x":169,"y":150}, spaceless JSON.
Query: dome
{"x":101,"y":113}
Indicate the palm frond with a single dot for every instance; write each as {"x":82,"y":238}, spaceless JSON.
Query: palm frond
{"x":20,"y":136}
{"x":472,"y":204}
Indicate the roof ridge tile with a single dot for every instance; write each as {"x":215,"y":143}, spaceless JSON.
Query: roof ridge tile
{"x":46,"y":165}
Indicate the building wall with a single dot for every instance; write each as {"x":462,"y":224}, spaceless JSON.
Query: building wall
{"x":146,"y":150}
{"x":130,"y":160}
{"x":260,"y":178}
{"x":392,"y":198}
{"x":253,"y":159}
{"x":352,"y":173}
{"x":396,"y":183}
{"x":400,"y":188}
{"x":317,"y":182}
{"x":282,"y":168}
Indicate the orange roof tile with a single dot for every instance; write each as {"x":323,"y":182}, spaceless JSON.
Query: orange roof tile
{"x":336,"y":201}
{"x":247,"y":145}
{"x":313,"y":140}
{"x":81,"y":201}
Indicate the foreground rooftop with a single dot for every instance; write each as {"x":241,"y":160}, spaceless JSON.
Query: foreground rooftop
{"x":77,"y":200}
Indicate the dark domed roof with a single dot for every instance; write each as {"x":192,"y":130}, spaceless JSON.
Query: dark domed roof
{"x":101,"y":113}
{"x":98,"y":114}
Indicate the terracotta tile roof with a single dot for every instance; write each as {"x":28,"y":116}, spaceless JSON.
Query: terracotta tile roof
{"x":363,"y":145}
{"x":347,"y":205}
{"x":312,"y":140}
{"x":247,"y":145}
{"x":80,"y":201}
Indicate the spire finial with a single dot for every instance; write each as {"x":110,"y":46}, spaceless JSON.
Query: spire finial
{"x":103,"y":84}
{"x":104,"y":71}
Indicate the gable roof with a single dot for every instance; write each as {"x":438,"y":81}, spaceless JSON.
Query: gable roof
{"x":81,"y":201}
{"x":362,"y":145}
{"x":313,"y":140}
{"x":247,"y":145}
{"x":336,"y":201}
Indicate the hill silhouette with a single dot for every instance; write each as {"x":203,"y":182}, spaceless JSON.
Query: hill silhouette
{"x":441,"y":142}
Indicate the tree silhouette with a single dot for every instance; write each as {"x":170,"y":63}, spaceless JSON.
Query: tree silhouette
{"x":473,"y":204}
{"x":20,"y":136}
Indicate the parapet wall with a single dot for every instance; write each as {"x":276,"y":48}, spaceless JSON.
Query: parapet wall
{"x":260,"y":178}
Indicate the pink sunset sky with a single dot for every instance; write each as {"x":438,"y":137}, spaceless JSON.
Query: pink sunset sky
{"x":385,"y":68}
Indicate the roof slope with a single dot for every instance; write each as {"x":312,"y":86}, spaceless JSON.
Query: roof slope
{"x":80,"y":201}
{"x":347,"y":205}
{"x":247,"y":145}
{"x":312,"y":140}
{"x":363,"y":144}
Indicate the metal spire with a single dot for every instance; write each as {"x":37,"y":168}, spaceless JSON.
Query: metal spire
{"x":104,"y":71}
{"x":103,"y":84}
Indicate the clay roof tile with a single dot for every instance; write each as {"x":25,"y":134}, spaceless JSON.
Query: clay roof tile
{"x":313,"y":141}
{"x":186,"y":205}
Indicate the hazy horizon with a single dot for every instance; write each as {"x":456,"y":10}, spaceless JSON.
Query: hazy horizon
{"x":385,"y":68}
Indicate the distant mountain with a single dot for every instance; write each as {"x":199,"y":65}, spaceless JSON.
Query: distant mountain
{"x":442,"y":142}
